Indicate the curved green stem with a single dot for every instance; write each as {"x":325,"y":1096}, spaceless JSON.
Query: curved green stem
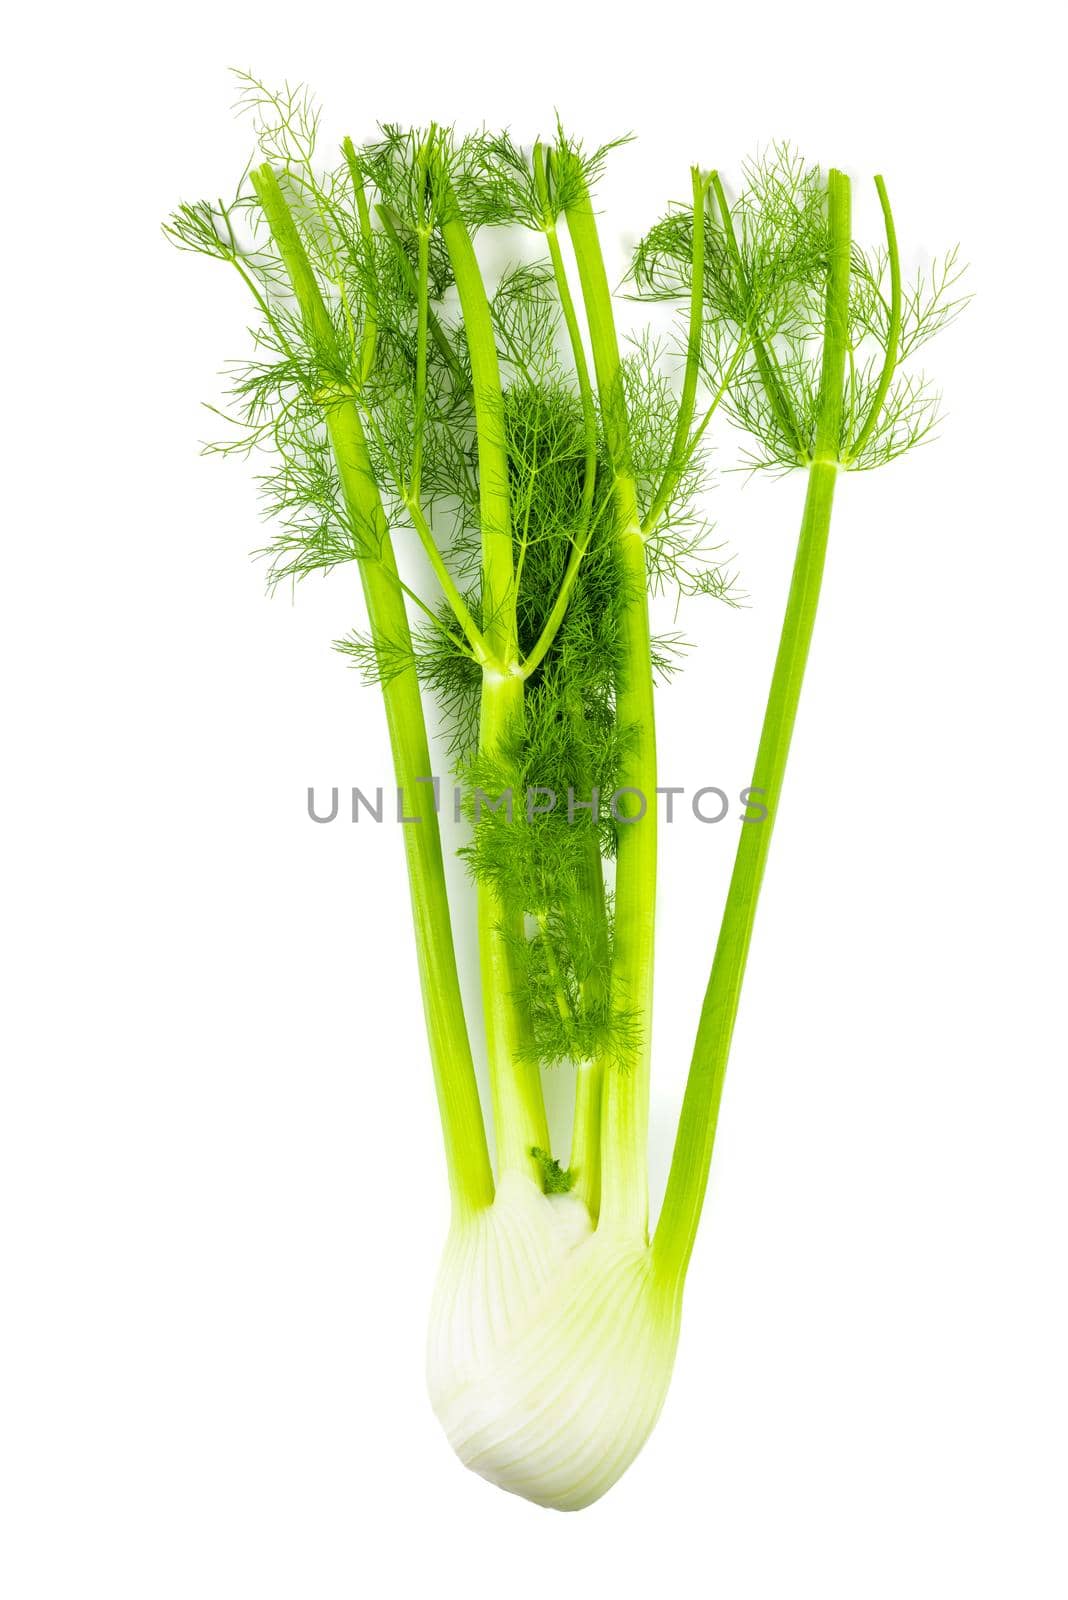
{"x":656,"y":510}
{"x":681,"y":445}
{"x":688,"y":1177}
{"x":893,"y":332}
{"x":448,"y":583}
{"x":765,"y":360}
{"x":558,"y":609}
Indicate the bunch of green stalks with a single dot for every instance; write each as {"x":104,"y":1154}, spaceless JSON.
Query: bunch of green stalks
{"x":552,"y":480}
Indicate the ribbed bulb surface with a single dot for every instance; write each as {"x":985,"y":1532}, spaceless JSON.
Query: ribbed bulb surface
{"x":550,"y":1347}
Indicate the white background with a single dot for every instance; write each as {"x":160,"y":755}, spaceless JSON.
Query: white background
{"x":222,"y":1196}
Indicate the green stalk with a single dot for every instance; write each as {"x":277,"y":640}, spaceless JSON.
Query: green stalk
{"x":585,"y":1155}
{"x":498,"y":585}
{"x":412,"y":490}
{"x":585,"y":1158}
{"x":466,"y":1153}
{"x":369,"y":340}
{"x":574,"y":333}
{"x":519,"y":1117}
{"x":422,"y":299}
{"x":518,"y":1101}
{"x":688,"y":1177}
{"x":556,"y":978}
{"x":584,"y":530}
{"x":391,"y":228}
{"x":625,"y":1110}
